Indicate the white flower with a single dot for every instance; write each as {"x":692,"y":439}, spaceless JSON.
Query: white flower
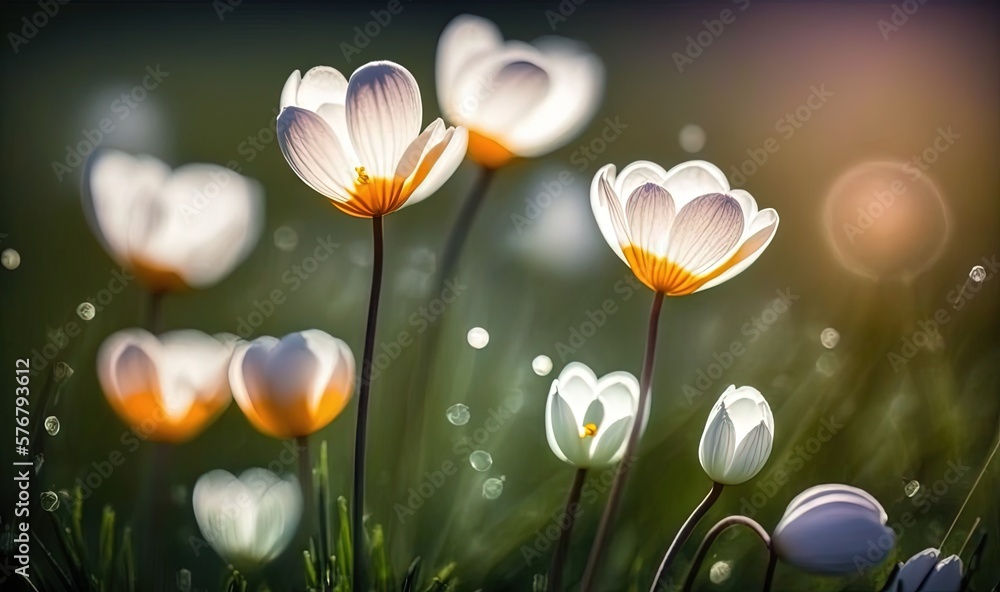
{"x":516,"y":99}
{"x":169,"y":388}
{"x":359,"y":143}
{"x":826,"y":529}
{"x":183,"y":228}
{"x":683,"y":230}
{"x":737,"y":437}
{"x":925,"y":573}
{"x":294,"y":386}
{"x":588,"y":421}
{"x":248,"y":521}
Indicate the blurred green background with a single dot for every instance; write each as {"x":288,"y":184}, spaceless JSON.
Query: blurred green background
{"x":532,"y":280}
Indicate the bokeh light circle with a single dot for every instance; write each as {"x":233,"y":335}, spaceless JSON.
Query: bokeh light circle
{"x":886,"y":220}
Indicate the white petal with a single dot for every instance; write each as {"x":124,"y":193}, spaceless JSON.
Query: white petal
{"x":611,"y":442}
{"x":193,"y":366}
{"x":211,"y":220}
{"x":619,"y":393}
{"x":465,"y":38}
{"x":383,"y":115}
{"x":750,"y":456}
{"x":118,"y":192}
{"x":704,"y":231}
{"x":315,"y":153}
{"x":320,"y":86}
{"x":759,"y":234}
{"x":694,"y":178}
{"x":718,"y":444}
{"x":650,"y":211}
{"x":566,"y":432}
{"x":450,"y":152}
{"x":574,"y":92}
{"x":577,"y":385}
{"x":498,"y":106}
{"x":609,"y":210}
{"x":290,"y":92}
{"x":638,"y":173}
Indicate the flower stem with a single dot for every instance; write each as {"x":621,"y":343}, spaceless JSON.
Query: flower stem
{"x":714,"y":534}
{"x":772,"y":563}
{"x":358,"y":507}
{"x":308,"y":498}
{"x":463,"y":224}
{"x":573,"y":500}
{"x":604,"y":527}
{"x":685,"y":532}
{"x":154,"y":312}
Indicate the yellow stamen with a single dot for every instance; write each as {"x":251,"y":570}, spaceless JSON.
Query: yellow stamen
{"x":362,"y":175}
{"x":589,"y":429}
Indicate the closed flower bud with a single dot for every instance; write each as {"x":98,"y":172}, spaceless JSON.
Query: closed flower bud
{"x":294,"y":386}
{"x":833,"y":529}
{"x":924,"y":573}
{"x":738,"y":435}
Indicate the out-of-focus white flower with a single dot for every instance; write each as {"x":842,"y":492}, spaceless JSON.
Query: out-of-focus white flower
{"x":294,"y":386}
{"x":588,"y":421}
{"x":248,"y":520}
{"x":925,"y":573}
{"x":174,"y":229}
{"x":683,"y":230}
{"x":737,"y":437}
{"x":359,"y":143}
{"x":169,"y":388}
{"x":516,"y":99}
{"x":828,"y":528}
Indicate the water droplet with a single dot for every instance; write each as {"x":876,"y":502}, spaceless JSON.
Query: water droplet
{"x":826,"y":364}
{"x":492,"y":488}
{"x":286,"y":239}
{"x":911,"y":488}
{"x":10,"y":259}
{"x":542,"y":365}
{"x":478,"y":337}
{"x":481,"y":460}
{"x":184,"y":581}
{"x":50,"y":501}
{"x":458,"y":414}
{"x":86,"y":311}
{"x":63,"y":371}
{"x":829,"y":338}
{"x":977,"y":274}
{"x":691,"y":138}
{"x":52,"y":425}
{"x":720,"y":572}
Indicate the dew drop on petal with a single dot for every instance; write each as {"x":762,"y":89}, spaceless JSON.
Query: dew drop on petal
{"x":977,"y":274}
{"x":829,"y":338}
{"x":286,"y":239}
{"x":86,"y":311}
{"x":720,"y":572}
{"x":542,"y":365}
{"x":911,"y":488}
{"x":458,"y":414}
{"x":481,"y":460}
{"x":63,"y":371}
{"x":691,"y":138}
{"x":11,"y":259}
{"x":52,"y":425}
{"x":478,"y":337}
{"x":492,"y":488}
{"x":50,"y":501}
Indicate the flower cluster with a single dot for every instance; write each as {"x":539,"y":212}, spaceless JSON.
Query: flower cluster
{"x":360,"y":142}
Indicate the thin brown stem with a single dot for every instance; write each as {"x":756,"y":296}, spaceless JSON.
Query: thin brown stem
{"x":360,"y":439}
{"x":714,"y":533}
{"x":685,"y":532}
{"x":562,"y":547}
{"x":607,"y":518}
